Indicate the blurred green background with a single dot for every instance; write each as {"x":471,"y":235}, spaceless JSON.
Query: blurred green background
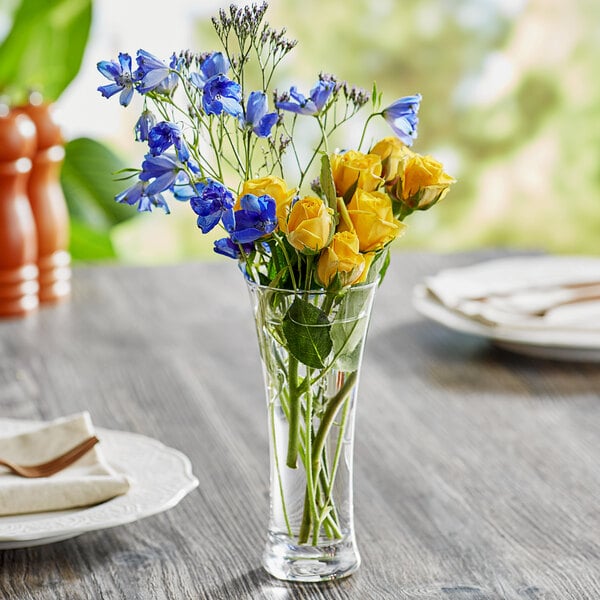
{"x":511,"y":106}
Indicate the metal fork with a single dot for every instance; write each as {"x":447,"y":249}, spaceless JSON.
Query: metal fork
{"x":55,"y":465}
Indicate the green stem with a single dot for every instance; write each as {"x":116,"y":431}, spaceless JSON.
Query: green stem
{"x":294,"y":418}
{"x":305,"y":524}
{"x":328,"y":418}
{"x":310,"y":477}
{"x":364,"y":131}
{"x":287,"y":259}
{"x":279,"y":481}
{"x":338,"y":452}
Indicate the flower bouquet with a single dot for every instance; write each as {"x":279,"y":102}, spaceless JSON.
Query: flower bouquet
{"x":310,"y":229}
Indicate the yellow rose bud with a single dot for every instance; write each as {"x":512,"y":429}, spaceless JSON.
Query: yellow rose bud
{"x":277,"y":189}
{"x":341,"y":258}
{"x":309,"y":225}
{"x":421,"y":182}
{"x":392,"y":151}
{"x":373,"y":220}
{"x":352,"y":166}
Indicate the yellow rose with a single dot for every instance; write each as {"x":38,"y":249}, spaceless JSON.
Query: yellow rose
{"x":309,"y":225}
{"x":421,"y":182}
{"x":277,"y":189}
{"x":373,"y":220}
{"x":341,"y":258}
{"x":392,"y":151}
{"x":352,"y":166}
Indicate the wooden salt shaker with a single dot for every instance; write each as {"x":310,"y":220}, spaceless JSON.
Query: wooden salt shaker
{"x":48,"y":204}
{"x":18,"y":240}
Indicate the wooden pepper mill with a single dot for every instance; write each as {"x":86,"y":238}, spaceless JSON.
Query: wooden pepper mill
{"x":18,"y":239}
{"x":48,"y":205}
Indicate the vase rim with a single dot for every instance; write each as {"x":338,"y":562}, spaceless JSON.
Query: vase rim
{"x":321,"y":292}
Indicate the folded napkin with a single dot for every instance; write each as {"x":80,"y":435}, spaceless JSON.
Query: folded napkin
{"x":87,"y":481}
{"x":542,"y":292}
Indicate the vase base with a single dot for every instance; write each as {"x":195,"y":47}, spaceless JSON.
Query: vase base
{"x":303,"y":563}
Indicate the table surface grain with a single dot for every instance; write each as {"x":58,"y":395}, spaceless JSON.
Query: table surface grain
{"x":477,"y":471}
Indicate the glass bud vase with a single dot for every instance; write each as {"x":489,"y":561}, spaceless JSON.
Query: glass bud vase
{"x":311,"y":345}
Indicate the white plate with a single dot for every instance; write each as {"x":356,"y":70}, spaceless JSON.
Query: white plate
{"x":541,"y":343}
{"x":160,"y":476}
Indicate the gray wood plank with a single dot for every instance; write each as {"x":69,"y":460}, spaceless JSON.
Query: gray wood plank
{"x":476,"y":470}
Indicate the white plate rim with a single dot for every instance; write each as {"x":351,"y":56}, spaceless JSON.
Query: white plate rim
{"x":536,"y":342}
{"x":144,"y":499}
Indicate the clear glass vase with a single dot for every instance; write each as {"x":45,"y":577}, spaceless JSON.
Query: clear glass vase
{"x":311,"y":346}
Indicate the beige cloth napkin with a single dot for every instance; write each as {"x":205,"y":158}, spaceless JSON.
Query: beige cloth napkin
{"x":88,"y":481}
{"x":542,"y":292}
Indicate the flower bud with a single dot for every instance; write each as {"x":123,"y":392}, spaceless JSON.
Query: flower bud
{"x":341,"y":258}
{"x":421,"y":182}
{"x":309,"y":225}
{"x":392,"y":151}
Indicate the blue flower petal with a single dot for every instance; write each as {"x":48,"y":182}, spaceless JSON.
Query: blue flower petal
{"x":208,"y":222}
{"x":246,"y":236}
{"x":263,"y":129}
{"x":110,"y":89}
{"x":126,"y":96}
{"x":227,"y":248}
{"x":197,"y":80}
{"x":256,"y":107}
{"x":215,"y":64}
{"x":109,"y":69}
{"x":125,"y":62}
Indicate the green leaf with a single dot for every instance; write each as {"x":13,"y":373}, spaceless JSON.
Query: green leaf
{"x":89,"y":186}
{"x":45,"y":46}
{"x":350,"y":192}
{"x":384,"y":266}
{"x":347,"y":344}
{"x":327,"y":183}
{"x":349,"y":328}
{"x":90,"y":244}
{"x":307,"y":332}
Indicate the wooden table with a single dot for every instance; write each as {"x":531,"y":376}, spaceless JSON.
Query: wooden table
{"x":477,"y":471}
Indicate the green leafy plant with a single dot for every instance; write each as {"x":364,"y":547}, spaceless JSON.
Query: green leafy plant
{"x":90,"y":198}
{"x":42,"y":52}
{"x":44,"y":47}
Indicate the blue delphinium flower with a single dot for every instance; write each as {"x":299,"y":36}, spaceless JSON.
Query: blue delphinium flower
{"x":120,"y":74}
{"x":164,"y":135}
{"x":139,"y":193}
{"x":169,"y":83}
{"x":222,"y":95}
{"x":143,"y":125}
{"x":214,"y":64}
{"x":401,"y":115}
{"x":151,"y":71}
{"x":312,"y":105}
{"x":163,"y":169}
{"x":257,"y":117}
{"x":228,"y":248}
{"x":210,"y":205}
{"x":256,"y":218}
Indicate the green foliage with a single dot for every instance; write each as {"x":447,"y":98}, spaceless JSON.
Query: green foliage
{"x":90,"y":197}
{"x":87,"y":243}
{"x":307,"y":332}
{"x":44,"y":48}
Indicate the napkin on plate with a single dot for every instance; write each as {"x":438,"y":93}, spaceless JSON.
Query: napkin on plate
{"x":87,"y":481}
{"x":545,"y":292}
